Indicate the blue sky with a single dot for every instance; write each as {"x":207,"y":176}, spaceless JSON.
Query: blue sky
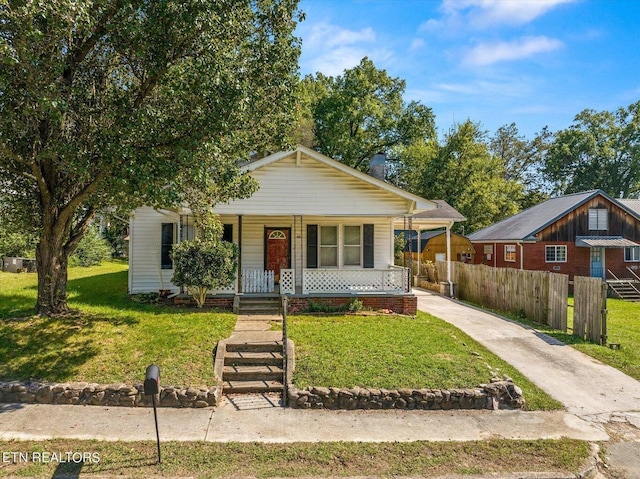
{"x":532,"y":62}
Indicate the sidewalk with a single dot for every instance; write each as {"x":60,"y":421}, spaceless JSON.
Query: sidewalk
{"x":263,"y":422}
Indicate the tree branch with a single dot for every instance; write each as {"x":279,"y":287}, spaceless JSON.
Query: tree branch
{"x":77,"y":55}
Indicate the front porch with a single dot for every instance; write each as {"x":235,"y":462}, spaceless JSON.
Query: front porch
{"x":392,"y":280}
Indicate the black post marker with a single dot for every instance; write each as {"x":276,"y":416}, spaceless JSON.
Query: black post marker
{"x":152,"y":387}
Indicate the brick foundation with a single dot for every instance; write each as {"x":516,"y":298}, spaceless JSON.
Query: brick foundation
{"x":406,"y":304}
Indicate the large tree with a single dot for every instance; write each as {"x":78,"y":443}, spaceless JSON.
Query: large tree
{"x":116,"y":103}
{"x":461,"y":170}
{"x":600,"y":150}
{"x":521,"y":161}
{"x":359,"y":114}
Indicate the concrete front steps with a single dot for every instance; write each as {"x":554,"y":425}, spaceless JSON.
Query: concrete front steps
{"x":253,"y":367}
{"x":254,"y":305}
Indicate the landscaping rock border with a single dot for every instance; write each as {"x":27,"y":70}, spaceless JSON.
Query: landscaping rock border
{"x":499,"y":394}
{"x":106,"y":395}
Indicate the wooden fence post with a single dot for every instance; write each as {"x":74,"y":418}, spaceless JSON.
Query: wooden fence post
{"x":603,"y":314}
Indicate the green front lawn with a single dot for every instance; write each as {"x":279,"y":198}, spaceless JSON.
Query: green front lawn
{"x":397,"y":352}
{"x":113,"y":339}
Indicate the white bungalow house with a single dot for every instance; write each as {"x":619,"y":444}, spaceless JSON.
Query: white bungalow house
{"x":314,"y":227}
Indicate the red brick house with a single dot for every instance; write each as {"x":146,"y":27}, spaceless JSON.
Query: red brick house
{"x":584,"y":234}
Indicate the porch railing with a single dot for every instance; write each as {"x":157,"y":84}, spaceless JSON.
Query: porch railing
{"x":287,"y":281}
{"x":319,"y":281}
{"x":258,"y":281}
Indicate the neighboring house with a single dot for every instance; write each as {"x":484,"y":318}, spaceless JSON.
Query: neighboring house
{"x":433,"y":247}
{"x":584,"y":234}
{"x":315,"y":225}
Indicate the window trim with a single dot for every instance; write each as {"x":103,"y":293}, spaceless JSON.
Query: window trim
{"x":635,"y":257}
{"x":508,"y":250}
{"x":598,"y":216}
{"x":556,"y":248}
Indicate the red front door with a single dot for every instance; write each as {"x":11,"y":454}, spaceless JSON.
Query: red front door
{"x":277,"y":250}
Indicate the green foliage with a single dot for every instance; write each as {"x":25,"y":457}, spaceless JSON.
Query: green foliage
{"x":122,"y":104}
{"x":399,"y":244}
{"x":16,"y":244}
{"x":521,"y":160}
{"x":201,"y":265}
{"x":355,"y":305}
{"x":601,"y":150}
{"x":92,"y":250}
{"x":359,"y":114}
{"x":462,"y":172}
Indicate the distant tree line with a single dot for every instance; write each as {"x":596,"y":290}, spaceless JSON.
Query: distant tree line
{"x":487,"y":177}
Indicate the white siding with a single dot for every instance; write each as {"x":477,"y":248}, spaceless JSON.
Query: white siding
{"x":314,"y":188}
{"x":144,"y":257}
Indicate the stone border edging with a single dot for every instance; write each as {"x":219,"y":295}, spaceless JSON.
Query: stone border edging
{"x":499,"y":394}
{"x":106,"y":395}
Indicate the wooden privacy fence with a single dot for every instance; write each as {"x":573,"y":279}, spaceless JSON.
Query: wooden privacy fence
{"x":590,"y":309}
{"x":539,"y":296}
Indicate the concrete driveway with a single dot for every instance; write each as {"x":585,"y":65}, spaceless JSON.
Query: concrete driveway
{"x":591,"y":391}
{"x":588,"y":388}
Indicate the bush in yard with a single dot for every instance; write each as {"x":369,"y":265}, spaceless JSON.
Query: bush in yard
{"x":201,"y":265}
{"x":92,"y":250}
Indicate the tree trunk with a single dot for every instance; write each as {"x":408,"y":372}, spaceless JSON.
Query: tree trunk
{"x":52,"y":280}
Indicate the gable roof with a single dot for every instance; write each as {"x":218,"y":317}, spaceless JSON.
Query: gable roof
{"x":633,"y":205}
{"x":526,"y":224}
{"x":419,"y":204}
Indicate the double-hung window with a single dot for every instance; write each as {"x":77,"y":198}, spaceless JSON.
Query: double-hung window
{"x":510,"y":253}
{"x":556,"y":254}
{"x":328,"y":246}
{"x":352,"y":246}
{"x":632,"y":253}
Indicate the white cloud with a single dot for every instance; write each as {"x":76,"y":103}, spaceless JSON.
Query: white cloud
{"x":417,"y":44}
{"x":335,"y":61}
{"x":331,"y":49}
{"x":485,"y":13}
{"x":489,"y":53}
{"x":324,"y":35}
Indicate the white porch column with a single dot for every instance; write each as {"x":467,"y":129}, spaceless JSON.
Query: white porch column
{"x":449,"y":252}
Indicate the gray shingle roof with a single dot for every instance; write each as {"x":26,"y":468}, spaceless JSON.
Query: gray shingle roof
{"x":524,"y":225}
{"x":443,"y":211}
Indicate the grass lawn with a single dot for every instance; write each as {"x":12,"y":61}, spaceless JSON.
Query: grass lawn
{"x":397,"y":352}
{"x":333,"y":459}
{"x":113,"y":339}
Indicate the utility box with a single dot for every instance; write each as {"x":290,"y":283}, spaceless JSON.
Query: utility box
{"x":18,"y":265}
